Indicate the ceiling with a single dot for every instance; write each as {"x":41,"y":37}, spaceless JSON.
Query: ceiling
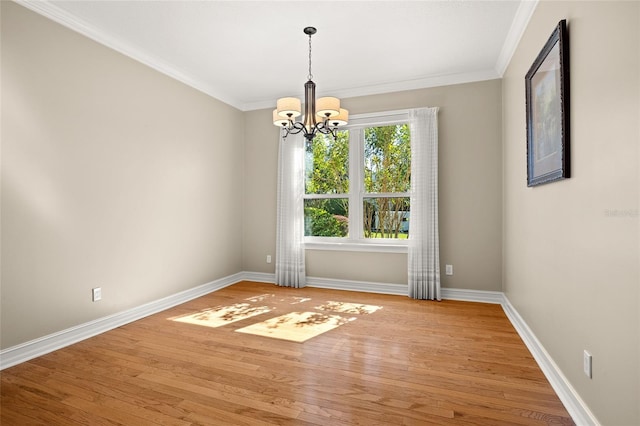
{"x":249,"y":53}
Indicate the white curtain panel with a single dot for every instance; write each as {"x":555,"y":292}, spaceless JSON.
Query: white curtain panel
{"x":424,"y":239}
{"x":290,"y":269}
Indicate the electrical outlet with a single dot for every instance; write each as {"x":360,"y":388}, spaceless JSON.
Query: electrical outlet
{"x":96,"y":294}
{"x":587,"y":364}
{"x":448,"y":269}
{"x":268,"y":258}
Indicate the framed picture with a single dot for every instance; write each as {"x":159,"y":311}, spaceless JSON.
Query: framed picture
{"x":547,"y":104}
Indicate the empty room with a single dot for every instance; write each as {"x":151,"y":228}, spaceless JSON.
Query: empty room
{"x":320,"y":213}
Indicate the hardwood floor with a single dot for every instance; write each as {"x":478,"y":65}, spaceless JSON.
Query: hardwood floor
{"x":408,"y":363}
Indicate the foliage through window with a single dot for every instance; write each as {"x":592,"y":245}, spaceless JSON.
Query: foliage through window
{"x":357,"y":186}
{"x":326,"y":204}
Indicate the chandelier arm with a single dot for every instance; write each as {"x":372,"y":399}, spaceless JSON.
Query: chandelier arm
{"x":326,"y":129}
{"x":297,"y":127}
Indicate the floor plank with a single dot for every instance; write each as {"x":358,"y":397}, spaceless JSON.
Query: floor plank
{"x":407,"y":363}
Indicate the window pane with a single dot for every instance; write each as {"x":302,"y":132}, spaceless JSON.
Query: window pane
{"x":386,"y":217}
{"x":387,"y":159}
{"x":327,"y":164}
{"x":326,"y":217}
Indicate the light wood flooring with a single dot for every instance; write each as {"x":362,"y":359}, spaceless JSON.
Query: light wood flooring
{"x":407,"y":363}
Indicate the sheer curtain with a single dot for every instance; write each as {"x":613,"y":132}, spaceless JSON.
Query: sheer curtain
{"x":290,"y":270}
{"x":424,"y":239}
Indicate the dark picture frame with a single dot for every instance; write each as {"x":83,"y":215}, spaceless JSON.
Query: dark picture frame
{"x":547,"y":105}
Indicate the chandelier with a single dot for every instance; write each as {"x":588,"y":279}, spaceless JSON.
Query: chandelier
{"x":321,"y":116}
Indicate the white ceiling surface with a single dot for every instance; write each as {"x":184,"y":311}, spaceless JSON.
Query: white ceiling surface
{"x":249,"y":53}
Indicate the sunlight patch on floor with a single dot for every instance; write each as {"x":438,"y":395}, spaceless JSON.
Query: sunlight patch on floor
{"x":292,"y":300}
{"x":223,"y":315}
{"x":348,"y":308}
{"x":296,"y":326}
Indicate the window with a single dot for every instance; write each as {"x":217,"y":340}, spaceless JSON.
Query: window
{"x":357,"y":187}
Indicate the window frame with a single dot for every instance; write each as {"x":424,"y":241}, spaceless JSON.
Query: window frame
{"x":357,"y":195}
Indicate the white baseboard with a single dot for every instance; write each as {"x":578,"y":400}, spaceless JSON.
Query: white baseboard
{"x":362,"y":286}
{"x":384,"y":288}
{"x":261,"y":277}
{"x":576,"y":407}
{"x":335,"y":284}
{"x":464,"y":295}
{"x":41,"y":346}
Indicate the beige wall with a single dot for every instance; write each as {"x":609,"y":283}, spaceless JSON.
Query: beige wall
{"x":113,"y":175}
{"x":470,"y":190}
{"x":571,"y":248}
{"x":116,"y":176}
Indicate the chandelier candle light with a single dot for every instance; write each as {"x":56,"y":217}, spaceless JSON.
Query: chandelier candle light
{"x":331,"y":116}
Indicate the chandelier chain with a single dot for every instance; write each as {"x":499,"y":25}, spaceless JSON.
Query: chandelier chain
{"x":310,"y":76}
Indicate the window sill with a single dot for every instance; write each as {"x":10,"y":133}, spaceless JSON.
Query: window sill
{"x":362,"y":247}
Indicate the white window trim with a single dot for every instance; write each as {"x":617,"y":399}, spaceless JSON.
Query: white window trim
{"x":378,"y":247}
{"x":356,"y":192}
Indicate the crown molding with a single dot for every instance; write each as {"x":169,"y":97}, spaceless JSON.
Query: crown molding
{"x":518,"y":26}
{"x":390,"y":87}
{"x":56,"y":14}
